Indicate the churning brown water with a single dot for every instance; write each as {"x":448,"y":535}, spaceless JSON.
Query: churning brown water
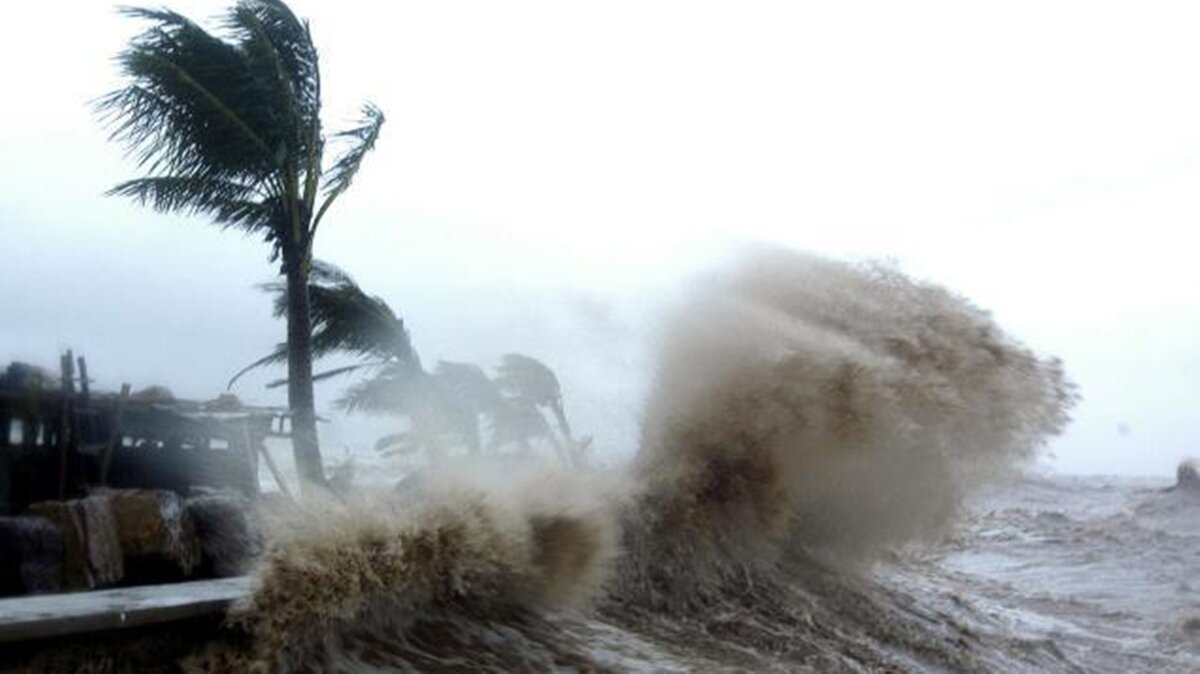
{"x":808,"y":419}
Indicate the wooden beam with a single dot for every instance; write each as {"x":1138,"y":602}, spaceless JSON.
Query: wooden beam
{"x":84,"y":389}
{"x":59,"y":615}
{"x":275,"y":472}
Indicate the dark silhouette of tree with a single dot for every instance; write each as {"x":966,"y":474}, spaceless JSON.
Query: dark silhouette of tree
{"x":228,"y":126}
{"x":530,"y":382}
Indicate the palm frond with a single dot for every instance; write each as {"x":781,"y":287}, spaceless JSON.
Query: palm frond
{"x":327,"y":273}
{"x":194,"y":106}
{"x":328,"y":374}
{"x":229,"y":203}
{"x":279,"y":355}
{"x":320,"y":273}
{"x":467,"y":384}
{"x":362,"y":140}
{"x":291,"y":40}
{"x":395,"y":390}
{"x":280,"y":52}
{"x":528,"y":378}
{"x":345,"y":320}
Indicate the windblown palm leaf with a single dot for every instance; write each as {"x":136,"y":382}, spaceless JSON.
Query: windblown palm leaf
{"x":344,"y":320}
{"x":392,"y":390}
{"x":528,"y":378}
{"x":468,"y":385}
{"x":439,"y":415}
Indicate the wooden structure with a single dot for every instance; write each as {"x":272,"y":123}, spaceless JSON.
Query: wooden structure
{"x":57,"y":440}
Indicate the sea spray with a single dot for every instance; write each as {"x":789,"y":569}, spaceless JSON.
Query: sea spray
{"x":346,"y":584}
{"x":838,"y":408}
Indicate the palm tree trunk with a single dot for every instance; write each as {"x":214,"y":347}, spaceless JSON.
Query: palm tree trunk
{"x":572,"y":448}
{"x":305,"y":445}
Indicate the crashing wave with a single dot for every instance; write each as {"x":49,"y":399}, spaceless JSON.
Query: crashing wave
{"x":805,"y":414}
{"x":803,"y":403}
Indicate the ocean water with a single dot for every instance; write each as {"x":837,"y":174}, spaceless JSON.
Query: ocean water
{"x":828,"y":480}
{"x":1105,"y":569}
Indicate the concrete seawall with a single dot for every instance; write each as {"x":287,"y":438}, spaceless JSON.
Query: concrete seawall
{"x":134,"y":629}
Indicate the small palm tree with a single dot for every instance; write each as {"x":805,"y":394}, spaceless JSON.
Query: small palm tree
{"x":229,"y":127}
{"x":447,"y":408}
{"x":530,"y":383}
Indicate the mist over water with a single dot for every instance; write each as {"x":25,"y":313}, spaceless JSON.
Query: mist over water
{"x":805,"y":415}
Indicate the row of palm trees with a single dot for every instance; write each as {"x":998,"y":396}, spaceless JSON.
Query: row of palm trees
{"x":455,"y":406}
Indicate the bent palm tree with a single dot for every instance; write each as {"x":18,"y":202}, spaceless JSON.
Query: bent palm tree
{"x":230,"y":128}
{"x":532,"y":383}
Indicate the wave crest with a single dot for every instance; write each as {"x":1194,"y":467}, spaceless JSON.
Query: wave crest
{"x":840,"y":408}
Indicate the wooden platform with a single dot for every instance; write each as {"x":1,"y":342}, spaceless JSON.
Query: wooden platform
{"x":59,"y":615}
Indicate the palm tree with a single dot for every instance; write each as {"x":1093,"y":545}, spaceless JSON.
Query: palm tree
{"x":446,"y":408}
{"x":530,"y":383}
{"x":230,"y":127}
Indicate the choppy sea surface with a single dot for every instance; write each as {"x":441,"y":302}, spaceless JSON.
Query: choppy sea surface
{"x":1104,"y":571}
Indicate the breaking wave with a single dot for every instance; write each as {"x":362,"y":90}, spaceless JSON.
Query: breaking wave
{"x":412,"y":577}
{"x":839,"y":408}
{"x":805,"y":415}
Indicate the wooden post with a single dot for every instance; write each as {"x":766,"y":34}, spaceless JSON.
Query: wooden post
{"x":64,"y":428}
{"x":84,"y":389}
{"x":115,"y":435}
{"x":251,"y":452}
{"x":275,"y":472}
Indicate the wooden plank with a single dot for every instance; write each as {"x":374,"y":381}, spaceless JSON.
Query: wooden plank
{"x":275,"y":472}
{"x":58,"y":615}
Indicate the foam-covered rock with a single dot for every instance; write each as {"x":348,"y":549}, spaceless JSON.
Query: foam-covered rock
{"x":1187,"y":476}
{"x":229,"y":541}
{"x":157,"y":537}
{"x":91,"y":553}
{"x":102,"y":547}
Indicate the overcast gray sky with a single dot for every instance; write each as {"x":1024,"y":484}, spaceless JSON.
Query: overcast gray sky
{"x":551,"y":170}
